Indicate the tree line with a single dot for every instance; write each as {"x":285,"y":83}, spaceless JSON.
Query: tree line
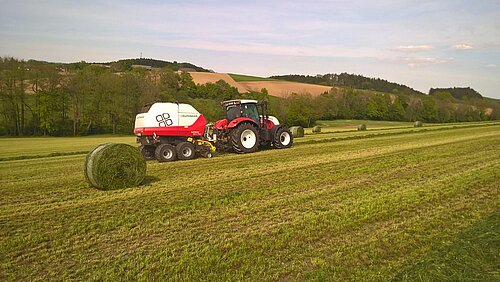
{"x":40,"y":98}
{"x":461,"y":93}
{"x":355,"y":81}
{"x":349,"y":103}
{"x":126,"y":65}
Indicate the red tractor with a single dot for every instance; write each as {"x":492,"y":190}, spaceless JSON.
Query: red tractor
{"x":171,"y":131}
{"x":246,"y":129}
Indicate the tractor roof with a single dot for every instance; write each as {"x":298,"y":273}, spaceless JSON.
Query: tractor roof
{"x":238,"y":102}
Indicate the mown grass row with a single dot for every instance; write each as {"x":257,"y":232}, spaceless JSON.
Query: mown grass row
{"x":366,"y":209}
{"x":471,"y":256}
{"x":350,"y":135}
{"x":43,"y":147}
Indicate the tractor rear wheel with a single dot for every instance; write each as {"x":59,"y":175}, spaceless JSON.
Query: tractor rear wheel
{"x":148,"y":152}
{"x":185,"y":151}
{"x":245,"y":138}
{"x":283,"y":138}
{"x":165,"y":153}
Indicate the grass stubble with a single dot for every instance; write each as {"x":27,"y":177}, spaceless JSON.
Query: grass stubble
{"x":404,"y":205}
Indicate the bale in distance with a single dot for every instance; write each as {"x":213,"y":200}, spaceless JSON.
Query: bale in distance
{"x":114,"y":166}
{"x":362,"y":127}
{"x":297,"y":131}
{"x":418,"y":124}
{"x":316,"y":129}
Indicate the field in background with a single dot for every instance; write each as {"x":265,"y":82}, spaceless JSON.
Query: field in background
{"x":370,"y":124}
{"x":393,"y":202}
{"x":208,"y":77}
{"x":352,"y":125}
{"x":241,"y":77}
{"x":245,"y":83}
{"x":280,"y":88}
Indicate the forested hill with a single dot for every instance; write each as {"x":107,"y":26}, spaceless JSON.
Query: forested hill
{"x":461,"y":93}
{"x":126,"y":64}
{"x":352,"y":80}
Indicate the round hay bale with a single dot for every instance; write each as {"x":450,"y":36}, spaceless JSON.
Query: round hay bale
{"x":418,"y":124}
{"x":297,"y":131}
{"x":114,"y":166}
{"x":316,"y":129}
{"x":361,"y":127}
{"x":87,"y":160}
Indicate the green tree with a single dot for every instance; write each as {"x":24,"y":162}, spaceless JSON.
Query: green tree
{"x":49,"y":109}
{"x":396,"y":110}
{"x":430,"y":110}
{"x":377,"y":107}
{"x":299,"y":110}
{"x":414,"y":109}
{"x":187,"y":84}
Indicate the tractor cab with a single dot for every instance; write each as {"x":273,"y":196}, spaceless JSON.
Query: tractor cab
{"x":242,"y":108}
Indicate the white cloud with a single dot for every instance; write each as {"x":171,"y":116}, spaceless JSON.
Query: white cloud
{"x":419,"y":61}
{"x":414,"y":48}
{"x":491,"y":66}
{"x":461,"y":46}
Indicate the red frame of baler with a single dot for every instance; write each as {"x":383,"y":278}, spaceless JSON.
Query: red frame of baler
{"x":195,"y":130}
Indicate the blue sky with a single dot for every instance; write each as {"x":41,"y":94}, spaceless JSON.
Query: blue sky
{"x":422,"y":44}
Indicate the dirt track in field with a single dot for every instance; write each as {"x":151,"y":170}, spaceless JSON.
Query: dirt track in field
{"x":275,"y":88}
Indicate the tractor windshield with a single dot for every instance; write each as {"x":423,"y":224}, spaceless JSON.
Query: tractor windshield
{"x":250,"y":111}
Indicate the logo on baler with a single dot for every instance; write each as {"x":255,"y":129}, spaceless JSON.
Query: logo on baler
{"x":164,"y":120}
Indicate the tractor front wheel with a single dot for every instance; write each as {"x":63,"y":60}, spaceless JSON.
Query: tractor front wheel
{"x":165,"y":153}
{"x":245,"y":138}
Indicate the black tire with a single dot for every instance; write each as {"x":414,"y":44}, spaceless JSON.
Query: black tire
{"x":245,"y":138}
{"x":148,"y":152}
{"x":165,"y":153}
{"x":207,"y":154}
{"x":283,"y":138}
{"x":185,"y":151}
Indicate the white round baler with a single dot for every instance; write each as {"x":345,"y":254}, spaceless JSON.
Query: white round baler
{"x":170,"y":131}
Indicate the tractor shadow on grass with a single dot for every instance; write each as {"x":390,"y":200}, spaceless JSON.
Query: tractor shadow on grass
{"x":148,"y":180}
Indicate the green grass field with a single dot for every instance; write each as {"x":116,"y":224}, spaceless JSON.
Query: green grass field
{"x":12,"y":148}
{"x":395,"y":203}
{"x":241,"y":77}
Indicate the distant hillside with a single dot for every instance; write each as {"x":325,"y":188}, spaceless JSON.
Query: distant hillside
{"x":460,"y":93}
{"x":245,"y":83}
{"x":126,"y":64}
{"x":353,"y":81}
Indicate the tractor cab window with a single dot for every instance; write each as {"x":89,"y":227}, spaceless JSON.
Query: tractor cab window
{"x":233,"y":112}
{"x":250,"y":111}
